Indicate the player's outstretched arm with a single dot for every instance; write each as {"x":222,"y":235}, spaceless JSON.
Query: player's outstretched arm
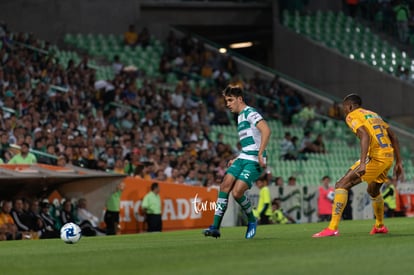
{"x":363,"y":136}
{"x":398,"y":168}
{"x":265,"y":136}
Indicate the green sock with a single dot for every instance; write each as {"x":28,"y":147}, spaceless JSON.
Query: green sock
{"x":221,"y":207}
{"x":247,"y":208}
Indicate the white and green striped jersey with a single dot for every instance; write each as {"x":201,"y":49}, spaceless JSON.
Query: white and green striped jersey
{"x":250,"y":137}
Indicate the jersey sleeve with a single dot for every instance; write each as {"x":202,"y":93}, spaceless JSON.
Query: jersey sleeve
{"x":254,"y":117}
{"x":353,"y":122}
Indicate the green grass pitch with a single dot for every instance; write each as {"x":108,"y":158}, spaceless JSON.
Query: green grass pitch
{"x":276,"y":249}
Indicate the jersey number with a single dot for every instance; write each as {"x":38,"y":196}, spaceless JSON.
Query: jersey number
{"x":380,"y":134}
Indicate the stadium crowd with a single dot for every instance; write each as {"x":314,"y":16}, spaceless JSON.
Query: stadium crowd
{"x":156,"y":132}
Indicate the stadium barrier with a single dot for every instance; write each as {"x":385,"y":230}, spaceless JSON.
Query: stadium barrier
{"x":189,"y":207}
{"x":300,"y":202}
{"x":183,"y":206}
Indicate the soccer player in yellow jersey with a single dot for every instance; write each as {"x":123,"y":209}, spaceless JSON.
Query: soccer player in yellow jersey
{"x":379,"y":146}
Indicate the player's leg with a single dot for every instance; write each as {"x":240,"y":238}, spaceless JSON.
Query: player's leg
{"x":373,"y":190}
{"x":341,"y":197}
{"x":376,"y":175}
{"x":223,"y":198}
{"x":339,"y":203}
{"x":238,"y":193}
{"x":251,"y":172}
{"x":221,"y":205}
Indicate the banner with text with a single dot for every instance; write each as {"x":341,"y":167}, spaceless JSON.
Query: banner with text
{"x":183,"y":206}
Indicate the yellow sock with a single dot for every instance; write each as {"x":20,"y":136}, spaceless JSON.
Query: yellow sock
{"x":378,"y":206}
{"x":338,"y":206}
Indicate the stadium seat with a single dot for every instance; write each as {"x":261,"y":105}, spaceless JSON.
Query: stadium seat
{"x":350,"y":38}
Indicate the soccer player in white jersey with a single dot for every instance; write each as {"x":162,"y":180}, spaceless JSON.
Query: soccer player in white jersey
{"x":245,"y":169}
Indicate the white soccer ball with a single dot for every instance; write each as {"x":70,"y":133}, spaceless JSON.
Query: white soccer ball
{"x":70,"y":233}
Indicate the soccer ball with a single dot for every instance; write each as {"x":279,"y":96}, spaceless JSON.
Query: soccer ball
{"x":70,"y":233}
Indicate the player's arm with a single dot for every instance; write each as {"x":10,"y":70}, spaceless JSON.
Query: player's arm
{"x":265,"y":136}
{"x":363,"y":136}
{"x":398,"y":168}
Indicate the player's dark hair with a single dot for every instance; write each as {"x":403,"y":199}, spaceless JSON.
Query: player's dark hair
{"x":233,"y":90}
{"x":354,"y":99}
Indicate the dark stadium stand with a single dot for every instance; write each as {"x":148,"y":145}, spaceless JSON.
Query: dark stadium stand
{"x":353,"y":39}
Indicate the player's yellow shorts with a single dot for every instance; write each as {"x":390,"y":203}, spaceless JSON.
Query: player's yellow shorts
{"x":376,"y":169}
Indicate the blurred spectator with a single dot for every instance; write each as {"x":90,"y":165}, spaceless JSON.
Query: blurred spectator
{"x":402,"y":16}
{"x":23,"y":221}
{"x":305,"y":116}
{"x":291,"y":181}
{"x":325,"y":199}
{"x":117,"y":66}
{"x":8,"y":228}
{"x":307,"y":145}
{"x":319,"y":145}
{"x":4,"y":145}
{"x":389,"y":194}
{"x":86,"y":159}
{"x":88,"y":222}
{"x":119,"y":167}
{"x":24,"y":157}
{"x":263,"y":210}
{"x":278,"y":215}
{"x":335,"y":111}
{"x":62,"y":160}
{"x":50,"y":224}
{"x":131,"y":36}
{"x":38,"y":224}
{"x":288,"y":150}
{"x":67,"y":213}
{"x":192,"y":179}
{"x":51,"y":150}
{"x":144,"y":37}
{"x":279,"y":182}
{"x":292,"y":104}
{"x":164,"y":66}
